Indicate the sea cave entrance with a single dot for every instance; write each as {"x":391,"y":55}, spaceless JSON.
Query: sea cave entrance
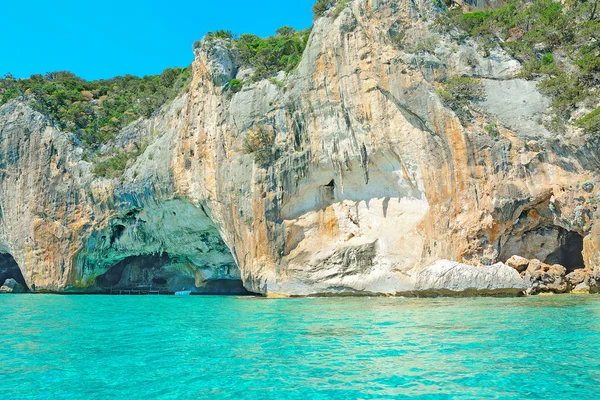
{"x":570,"y":251}
{"x":162,"y":273}
{"x":171,"y":246}
{"x":548,"y":243}
{"x":9,"y":269}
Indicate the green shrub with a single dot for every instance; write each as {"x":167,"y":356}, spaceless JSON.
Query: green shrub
{"x":321,"y":6}
{"x":266,"y":56}
{"x":285,"y":31}
{"x":235,"y":85}
{"x":590,"y":123}
{"x":447,"y":21}
{"x":9,"y":94}
{"x":114,"y":166}
{"x":426,"y":45}
{"x":277,"y":83}
{"x":339,"y":8}
{"x":111,"y":168}
{"x":221,"y":34}
{"x":547,"y":59}
{"x":459,"y":92}
{"x":259,"y":143}
{"x":471,"y":21}
{"x":588,"y":62}
{"x":492,"y":130}
{"x":564,"y":89}
{"x":397,"y":38}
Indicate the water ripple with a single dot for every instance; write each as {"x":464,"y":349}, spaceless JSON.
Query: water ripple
{"x":95,"y":347}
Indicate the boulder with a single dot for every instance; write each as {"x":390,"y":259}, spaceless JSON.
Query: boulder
{"x":545,"y":278}
{"x":451,"y":277}
{"x":534,"y":265}
{"x":12,"y":286}
{"x":577,"y":277}
{"x":581,"y":288}
{"x":517,"y":262}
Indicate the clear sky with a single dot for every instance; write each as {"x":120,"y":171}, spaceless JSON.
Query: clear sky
{"x":106,"y":38}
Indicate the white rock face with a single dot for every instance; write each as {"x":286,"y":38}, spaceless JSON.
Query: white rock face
{"x":453,"y":276}
{"x":518,"y":105}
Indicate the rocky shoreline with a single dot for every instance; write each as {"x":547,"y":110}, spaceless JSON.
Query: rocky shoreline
{"x":518,"y":277}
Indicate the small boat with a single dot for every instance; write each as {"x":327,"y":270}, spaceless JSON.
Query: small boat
{"x":183,"y":293}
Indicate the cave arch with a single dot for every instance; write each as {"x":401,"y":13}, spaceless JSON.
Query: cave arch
{"x":9,"y":269}
{"x":169,"y":245}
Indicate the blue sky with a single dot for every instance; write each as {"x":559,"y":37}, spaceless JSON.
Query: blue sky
{"x":105,"y":38}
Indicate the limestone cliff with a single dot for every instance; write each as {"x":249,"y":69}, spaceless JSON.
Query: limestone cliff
{"x":371,"y":181}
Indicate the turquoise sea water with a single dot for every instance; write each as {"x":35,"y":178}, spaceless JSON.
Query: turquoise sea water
{"x":164,"y":347}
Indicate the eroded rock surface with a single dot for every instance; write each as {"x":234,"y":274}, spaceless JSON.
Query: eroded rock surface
{"x":372,"y":178}
{"x":450,"y":277}
{"x":542,"y":277}
{"x":12,"y":286}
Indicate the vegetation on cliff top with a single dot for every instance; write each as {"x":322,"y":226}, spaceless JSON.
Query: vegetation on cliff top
{"x":95,"y":110}
{"x":266,"y":56}
{"x":558,"y":44}
{"x":321,"y":6}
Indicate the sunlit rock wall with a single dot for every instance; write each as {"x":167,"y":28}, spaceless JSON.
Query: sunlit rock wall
{"x":372,"y":180}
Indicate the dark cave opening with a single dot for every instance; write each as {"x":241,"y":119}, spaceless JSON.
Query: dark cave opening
{"x":569,"y":253}
{"x":328,"y":193}
{"x":135,"y":271}
{"x":159,"y":281}
{"x":163,"y":273}
{"x":9,"y":269}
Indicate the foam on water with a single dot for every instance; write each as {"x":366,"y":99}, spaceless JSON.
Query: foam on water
{"x":142,"y":347}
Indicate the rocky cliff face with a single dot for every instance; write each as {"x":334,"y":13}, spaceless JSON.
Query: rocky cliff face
{"x":371,"y":181}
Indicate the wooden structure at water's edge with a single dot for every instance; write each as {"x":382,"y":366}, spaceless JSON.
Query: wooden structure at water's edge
{"x":140,"y":290}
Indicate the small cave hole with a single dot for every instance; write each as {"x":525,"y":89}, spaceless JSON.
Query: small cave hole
{"x":569,"y":253}
{"x":159,"y":281}
{"x":328,"y":193}
{"x":118,"y":231}
{"x":9,"y":269}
